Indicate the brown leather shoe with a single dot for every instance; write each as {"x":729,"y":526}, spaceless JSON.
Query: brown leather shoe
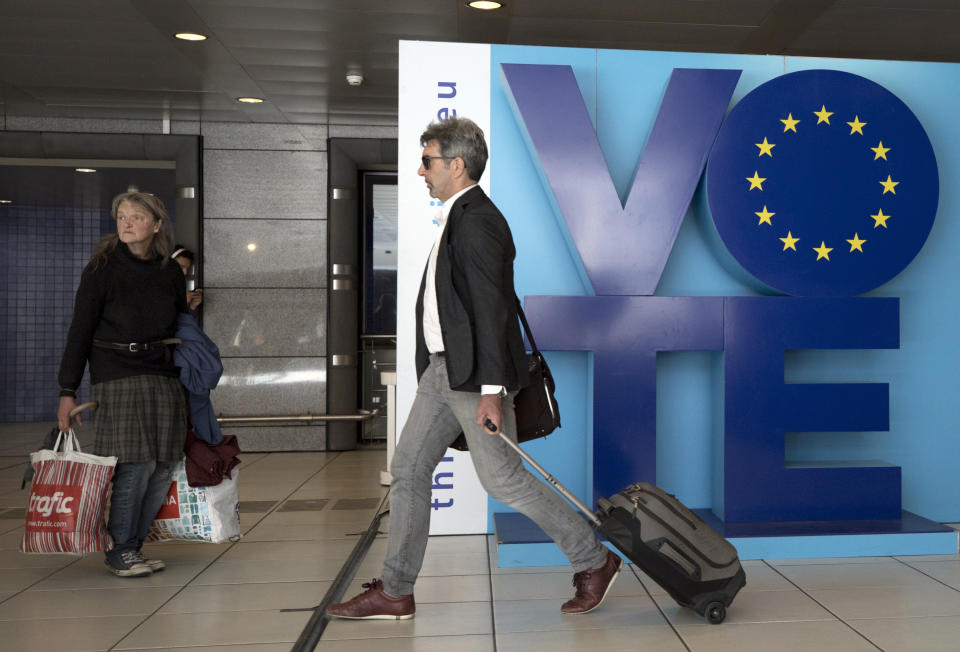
{"x":375,"y":604}
{"x":592,"y":586}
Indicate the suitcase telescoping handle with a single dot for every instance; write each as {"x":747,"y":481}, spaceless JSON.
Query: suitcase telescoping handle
{"x":566,"y":493}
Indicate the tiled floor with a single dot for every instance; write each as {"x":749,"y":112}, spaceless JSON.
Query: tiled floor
{"x":302,"y":513}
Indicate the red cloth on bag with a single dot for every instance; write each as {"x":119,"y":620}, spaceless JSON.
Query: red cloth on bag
{"x":207,"y":464}
{"x":67,"y":497}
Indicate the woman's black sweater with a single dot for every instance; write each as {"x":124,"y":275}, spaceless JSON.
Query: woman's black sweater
{"x":127,"y":300}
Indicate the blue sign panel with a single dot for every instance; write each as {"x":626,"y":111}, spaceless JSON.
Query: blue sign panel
{"x":623,"y":248}
{"x":625,"y":334}
{"x":760,"y":409}
{"x":824,"y":177}
{"x":822,"y":183}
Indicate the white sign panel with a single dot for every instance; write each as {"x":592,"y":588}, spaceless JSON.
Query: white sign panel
{"x":437,"y":80}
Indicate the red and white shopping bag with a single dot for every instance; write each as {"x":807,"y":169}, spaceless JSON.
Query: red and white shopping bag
{"x":67,"y":498}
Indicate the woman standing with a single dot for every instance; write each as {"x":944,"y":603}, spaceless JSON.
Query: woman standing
{"x":127,"y":304}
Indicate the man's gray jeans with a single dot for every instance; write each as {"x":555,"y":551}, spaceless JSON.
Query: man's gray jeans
{"x":435,"y":420}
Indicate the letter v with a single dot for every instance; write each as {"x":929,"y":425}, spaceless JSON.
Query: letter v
{"x":623,"y":249}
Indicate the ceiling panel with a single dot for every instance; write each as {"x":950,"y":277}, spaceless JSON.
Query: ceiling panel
{"x":633,"y":35}
{"x":295,"y":76}
{"x":117,"y":58}
{"x":714,"y":12}
{"x":873,"y":29}
{"x":306,"y":40}
{"x":280,"y":56}
{"x":347,"y":19}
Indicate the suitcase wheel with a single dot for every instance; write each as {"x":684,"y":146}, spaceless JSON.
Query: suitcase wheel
{"x":716,"y":612}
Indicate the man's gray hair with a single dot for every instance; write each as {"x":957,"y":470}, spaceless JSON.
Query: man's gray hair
{"x":461,"y":137}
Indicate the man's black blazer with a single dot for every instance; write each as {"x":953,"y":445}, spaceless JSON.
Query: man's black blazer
{"x":475,"y":299}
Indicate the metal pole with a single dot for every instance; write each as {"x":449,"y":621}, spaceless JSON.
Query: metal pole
{"x":389,"y":378}
{"x":566,"y":493}
{"x":362,"y":416}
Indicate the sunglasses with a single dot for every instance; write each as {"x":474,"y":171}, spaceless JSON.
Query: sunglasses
{"x":425,"y":160}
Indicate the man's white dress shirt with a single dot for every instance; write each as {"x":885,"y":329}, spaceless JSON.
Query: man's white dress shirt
{"x":431,"y":314}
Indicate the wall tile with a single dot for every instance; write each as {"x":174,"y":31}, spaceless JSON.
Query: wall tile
{"x":289,"y":253}
{"x":273,"y":184}
{"x":45,"y":250}
{"x":271,"y":386}
{"x":370,"y":131}
{"x":185,"y":127}
{"x":346,"y":118}
{"x":233,"y":135}
{"x":260,"y":323}
{"x":84,"y":125}
{"x":279,"y":438}
{"x":316,"y":135}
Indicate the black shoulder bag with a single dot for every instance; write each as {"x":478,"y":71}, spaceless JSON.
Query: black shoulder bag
{"x":535,"y":405}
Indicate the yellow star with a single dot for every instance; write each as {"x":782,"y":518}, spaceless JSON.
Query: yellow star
{"x":856,"y":126}
{"x":823,"y":116}
{"x":888,"y":185}
{"x":756,"y":181}
{"x":856,"y":243}
{"x":790,"y":242}
{"x":765,"y":148}
{"x":880,"y":151}
{"x":880,"y":219}
{"x":823,"y":251}
{"x":789,"y":124}
{"x":764,"y":216}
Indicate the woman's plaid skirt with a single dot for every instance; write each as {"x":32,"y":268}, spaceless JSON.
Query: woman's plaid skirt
{"x":140,"y":418}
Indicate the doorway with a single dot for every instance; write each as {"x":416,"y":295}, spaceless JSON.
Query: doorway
{"x":378,"y":333}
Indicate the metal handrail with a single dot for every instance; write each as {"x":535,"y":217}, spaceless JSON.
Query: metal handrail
{"x":362,"y":415}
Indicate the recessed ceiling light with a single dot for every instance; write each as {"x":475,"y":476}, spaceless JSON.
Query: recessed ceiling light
{"x":190,"y":36}
{"x":250,"y":100}
{"x":252,"y":246}
{"x":86,"y":170}
{"x":484,"y":5}
{"x":6,"y":201}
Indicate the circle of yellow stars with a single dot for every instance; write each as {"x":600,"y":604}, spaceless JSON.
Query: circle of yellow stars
{"x":765,"y":215}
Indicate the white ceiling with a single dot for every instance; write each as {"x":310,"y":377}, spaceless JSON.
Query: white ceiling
{"x":117,"y":58}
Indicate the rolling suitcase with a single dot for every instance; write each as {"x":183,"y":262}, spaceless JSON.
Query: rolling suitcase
{"x":697,"y":567}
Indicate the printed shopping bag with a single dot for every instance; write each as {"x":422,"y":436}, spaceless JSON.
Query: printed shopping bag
{"x":209,"y":514}
{"x":67,"y":499}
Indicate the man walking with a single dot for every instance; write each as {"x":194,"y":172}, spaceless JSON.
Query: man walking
{"x":470,"y":364}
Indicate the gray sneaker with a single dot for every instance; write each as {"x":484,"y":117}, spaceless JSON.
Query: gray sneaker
{"x":128,"y":563}
{"x":155,"y":565}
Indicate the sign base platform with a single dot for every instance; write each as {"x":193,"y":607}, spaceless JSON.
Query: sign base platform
{"x":520,"y":542}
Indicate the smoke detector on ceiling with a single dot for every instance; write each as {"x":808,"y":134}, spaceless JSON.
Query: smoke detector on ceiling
{"x":354,"y":78}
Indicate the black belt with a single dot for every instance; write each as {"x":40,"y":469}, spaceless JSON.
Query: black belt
{"x":440,"y":354}
{"x":136,"y":347}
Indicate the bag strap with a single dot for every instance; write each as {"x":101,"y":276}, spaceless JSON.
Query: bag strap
{"x":526,"y":326}
{"x":69,"y":439}
{"x":69,"y":442}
